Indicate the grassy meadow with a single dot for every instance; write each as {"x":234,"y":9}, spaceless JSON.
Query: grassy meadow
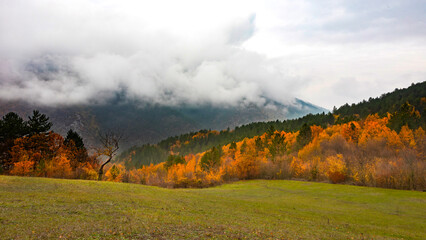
{"x":42,"y":208}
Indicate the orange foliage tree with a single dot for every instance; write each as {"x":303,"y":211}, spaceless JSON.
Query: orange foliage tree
{"x":23,"y":167}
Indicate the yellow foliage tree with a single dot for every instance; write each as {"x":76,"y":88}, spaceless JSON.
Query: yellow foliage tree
{"x":335,"y":169}
{"x":59,"y":167}
{"x":115,"y":173}
{"x":350,"y":131}
{"x":407,"y":137}
{"x":298,"y":168}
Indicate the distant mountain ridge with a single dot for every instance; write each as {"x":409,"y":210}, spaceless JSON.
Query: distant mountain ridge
{"x":143,"y":123}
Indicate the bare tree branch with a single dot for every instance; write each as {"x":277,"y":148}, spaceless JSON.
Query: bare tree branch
{"x":109,"y":147}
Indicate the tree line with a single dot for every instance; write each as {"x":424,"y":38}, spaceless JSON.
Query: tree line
{"x":30,"y":148}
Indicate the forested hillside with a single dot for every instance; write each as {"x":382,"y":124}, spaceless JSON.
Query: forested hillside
{"x":403,"y":104}
{"x":388,"y":102}
{"x":366,"y":152}
{"x":200,"y":141}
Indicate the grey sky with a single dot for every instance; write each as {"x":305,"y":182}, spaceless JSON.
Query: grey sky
{"x":218,"y":52}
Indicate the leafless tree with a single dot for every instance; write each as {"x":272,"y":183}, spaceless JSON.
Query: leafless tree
{"x":109,"y":148}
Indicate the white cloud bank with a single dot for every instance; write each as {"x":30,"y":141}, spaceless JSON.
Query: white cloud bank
{"x":215,"y":52}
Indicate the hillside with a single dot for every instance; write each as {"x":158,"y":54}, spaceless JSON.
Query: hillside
{"x":196,"y":142}
{"x":388,"y":102}
{"x":40,"y":208}
{"x":141,"y":123}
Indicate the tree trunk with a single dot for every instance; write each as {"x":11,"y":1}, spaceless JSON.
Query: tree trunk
{"x":101,"y":170}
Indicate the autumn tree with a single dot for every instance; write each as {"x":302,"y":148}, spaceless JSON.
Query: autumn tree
{"x":39,"y":149}
{"x":243,"y":147}
{"x":115,"y":173}
{"x":109,"y":148}
{"x":335,"y":168}
{"x":12,"y":127}
{"x":23,"y":167}
{"x":407,"y":137}
{"x":246,"y":162}
{"x":350,"y":131}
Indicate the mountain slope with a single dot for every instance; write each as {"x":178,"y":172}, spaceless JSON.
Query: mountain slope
{"x":143,"y":123}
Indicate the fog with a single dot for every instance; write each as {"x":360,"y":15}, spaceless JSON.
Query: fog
{"x":216,"y":52}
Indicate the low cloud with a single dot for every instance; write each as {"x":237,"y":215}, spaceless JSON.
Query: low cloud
{"x":69,"y":57}
{"x":209,"y":52}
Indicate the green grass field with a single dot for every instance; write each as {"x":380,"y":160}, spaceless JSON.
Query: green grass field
{"x":41,"y":208}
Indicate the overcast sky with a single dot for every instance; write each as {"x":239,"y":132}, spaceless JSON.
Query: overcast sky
{"x":216,"y":52}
